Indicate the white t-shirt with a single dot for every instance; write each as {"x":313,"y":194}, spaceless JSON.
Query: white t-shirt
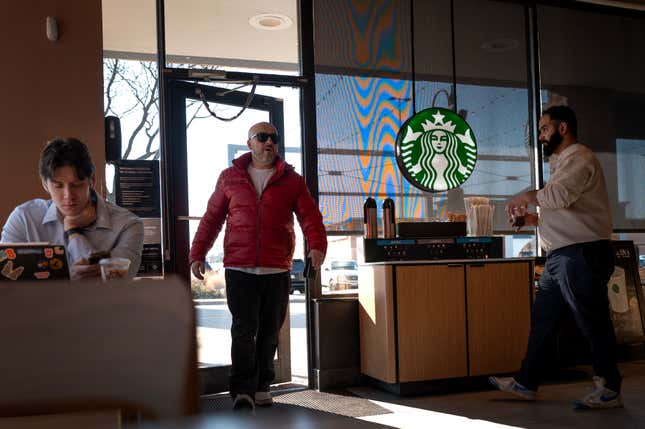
{"x":260,"y":177}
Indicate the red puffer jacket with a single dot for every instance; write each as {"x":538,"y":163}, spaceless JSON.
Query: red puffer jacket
{"x":259,"y":231}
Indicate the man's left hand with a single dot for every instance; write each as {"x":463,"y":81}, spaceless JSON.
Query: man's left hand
{"x":82,"y":269}
{"x":81,"y":220}
{"x":317,"y":258}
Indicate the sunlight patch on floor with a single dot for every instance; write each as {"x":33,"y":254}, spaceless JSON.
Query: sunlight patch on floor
{"x":410,"y":417}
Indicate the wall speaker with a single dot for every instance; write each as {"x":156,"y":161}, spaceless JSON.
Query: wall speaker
{"x":112,"y":139}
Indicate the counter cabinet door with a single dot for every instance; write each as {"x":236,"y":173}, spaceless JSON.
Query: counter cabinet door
{"x":431,"y":316}
{"x":376,"y":321}
{"x":498,"y":297}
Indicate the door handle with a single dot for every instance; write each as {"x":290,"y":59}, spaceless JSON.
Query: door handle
{"x":186,"y":218}
{"x":455,"y":265}
{"x":477,"y":265}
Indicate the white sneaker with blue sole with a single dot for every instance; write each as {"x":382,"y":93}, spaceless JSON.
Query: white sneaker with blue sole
{"x":508,"y":384}
{"x":601,"y":397}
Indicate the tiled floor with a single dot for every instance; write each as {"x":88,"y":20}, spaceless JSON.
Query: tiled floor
{"x":482,"y":409}
{"x":279,"y":416}
{"x":496,"y":409}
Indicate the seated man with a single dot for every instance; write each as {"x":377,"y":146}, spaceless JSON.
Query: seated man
{"x":75,"y":216}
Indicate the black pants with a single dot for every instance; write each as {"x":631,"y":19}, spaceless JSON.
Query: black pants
{"x":258,"y":304}
{"x":575,"y":278}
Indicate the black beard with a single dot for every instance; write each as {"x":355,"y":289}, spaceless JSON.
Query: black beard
{"x":549,"y":147}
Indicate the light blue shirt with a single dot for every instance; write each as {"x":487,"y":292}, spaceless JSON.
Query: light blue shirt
{"x":116,"y":230}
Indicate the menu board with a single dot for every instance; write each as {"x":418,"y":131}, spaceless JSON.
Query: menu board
{"x":626,"y":295}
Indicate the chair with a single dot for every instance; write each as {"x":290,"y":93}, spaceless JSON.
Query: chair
{"x":90,"y":346}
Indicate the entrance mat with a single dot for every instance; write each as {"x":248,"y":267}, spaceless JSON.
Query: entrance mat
{"x":217,"y":402}
{"x":344,"y":405}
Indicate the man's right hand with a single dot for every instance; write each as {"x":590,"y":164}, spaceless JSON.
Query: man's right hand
{"x":530,"y":219}
{"x":82,"y":269}
{"x":317,"y":258}
{"x":198,"y":269}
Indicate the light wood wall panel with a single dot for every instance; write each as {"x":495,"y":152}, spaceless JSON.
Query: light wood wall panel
{"x":48,"y":89}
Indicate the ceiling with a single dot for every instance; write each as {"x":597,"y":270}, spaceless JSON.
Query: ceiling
{"x":204,"y":29}
{"x":218,"y":32}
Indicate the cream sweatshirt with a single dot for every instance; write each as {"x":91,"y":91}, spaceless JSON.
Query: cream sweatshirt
{"x":574,"y":205}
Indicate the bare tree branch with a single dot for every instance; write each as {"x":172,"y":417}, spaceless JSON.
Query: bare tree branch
{"x":131,"y":94}
{"x":113,"y":66}
{"x":194,"y":115}
{"x":146,"y":106}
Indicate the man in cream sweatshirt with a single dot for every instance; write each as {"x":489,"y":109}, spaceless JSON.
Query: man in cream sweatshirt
{"x":575,"y":230}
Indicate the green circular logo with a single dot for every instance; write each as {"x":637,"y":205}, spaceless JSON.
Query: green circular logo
{"x":436,"y":150}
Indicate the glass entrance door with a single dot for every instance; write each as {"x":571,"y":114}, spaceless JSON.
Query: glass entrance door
{"x":200,"y":147}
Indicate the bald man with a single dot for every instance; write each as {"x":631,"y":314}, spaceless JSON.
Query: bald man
{"x":257,"y":198}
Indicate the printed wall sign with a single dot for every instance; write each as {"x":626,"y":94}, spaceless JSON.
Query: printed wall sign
{"x":137,"y":184}
{"x":436,"y":150}
{"x":626,"y":300}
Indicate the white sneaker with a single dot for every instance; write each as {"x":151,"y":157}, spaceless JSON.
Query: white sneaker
{"x":508,"y":384}
{"x":242,"y":400}
{"x":263,"y":399}
{"x":601,"y":397}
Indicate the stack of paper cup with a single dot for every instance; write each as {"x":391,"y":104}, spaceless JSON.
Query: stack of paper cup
{"x":479,"y":215}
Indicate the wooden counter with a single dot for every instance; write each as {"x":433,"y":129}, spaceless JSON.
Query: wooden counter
{"x":433,"y":320}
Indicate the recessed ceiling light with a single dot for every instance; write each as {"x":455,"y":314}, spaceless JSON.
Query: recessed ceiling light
{"x":500,"y":45}
{"x":270,"y":21}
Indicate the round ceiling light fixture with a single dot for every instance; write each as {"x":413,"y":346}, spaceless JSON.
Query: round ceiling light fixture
{"x":270,"y":21}
{"x":500,"y":45}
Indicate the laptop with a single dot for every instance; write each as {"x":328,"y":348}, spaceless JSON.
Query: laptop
{"x":33,"y":261}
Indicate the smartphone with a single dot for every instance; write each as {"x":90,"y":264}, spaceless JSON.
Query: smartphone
{"x":95,"y":257}
{"x":309,"y":271}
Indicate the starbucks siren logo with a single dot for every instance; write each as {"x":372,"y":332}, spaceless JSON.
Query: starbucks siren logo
{"x":436,"y":150}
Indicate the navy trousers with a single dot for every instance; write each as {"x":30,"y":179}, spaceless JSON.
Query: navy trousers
{"x":258,"y":304}
{"x":574,"y":279}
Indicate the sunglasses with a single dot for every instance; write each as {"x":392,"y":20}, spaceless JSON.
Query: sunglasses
{"x":263,"y":137}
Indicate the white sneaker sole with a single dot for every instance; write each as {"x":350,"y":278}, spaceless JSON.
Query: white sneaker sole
{"x":580,"y":405}
{"x":527,"y":396}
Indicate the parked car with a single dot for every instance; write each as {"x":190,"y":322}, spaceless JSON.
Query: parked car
{"x":340,"y":275}
{"x":297,"y":277}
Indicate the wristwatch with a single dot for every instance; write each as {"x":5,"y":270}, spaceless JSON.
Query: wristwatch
{"x":71,"y":231}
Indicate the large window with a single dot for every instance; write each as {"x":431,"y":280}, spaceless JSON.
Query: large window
{"x":205,"y":41}
{"x":131,"y":93}
{"x":367,"y":88}
{"x":588,"y":62}
{"x":492,"y":93}
{"x":130,"y":77}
